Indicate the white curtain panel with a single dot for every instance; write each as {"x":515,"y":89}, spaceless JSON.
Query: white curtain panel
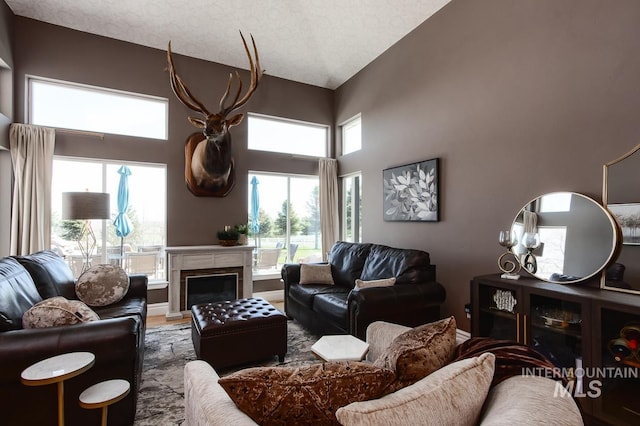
{"x":329,"y":218}
{"x":32,"y":157}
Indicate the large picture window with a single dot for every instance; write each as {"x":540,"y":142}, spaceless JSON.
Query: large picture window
{"x":287,"y":228}
{"x":142,"y":251}
{"x":88,"y":108}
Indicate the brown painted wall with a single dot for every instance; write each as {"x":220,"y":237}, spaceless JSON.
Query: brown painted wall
{"x":6,"y":55}
{"x":6,"y":113}
{"x":55,"y":52}
{"x":6,"y":33}
{"x":517,"y":99}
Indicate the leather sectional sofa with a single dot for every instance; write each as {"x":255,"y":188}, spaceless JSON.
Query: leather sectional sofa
{"x":116,"y":340}
{"x":414,"y":299}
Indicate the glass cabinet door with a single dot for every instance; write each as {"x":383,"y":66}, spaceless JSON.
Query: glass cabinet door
{"x":619,"y":352}
{"x":498,"y":315}
{"x":556,"y":330}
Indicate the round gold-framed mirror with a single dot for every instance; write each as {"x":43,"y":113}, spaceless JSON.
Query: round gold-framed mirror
{"x":621,"y":197}
{"x":564,"y":237}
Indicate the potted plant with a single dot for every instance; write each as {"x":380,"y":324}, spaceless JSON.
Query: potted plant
{"x":243,"y":231}
{"x":228,"y":237}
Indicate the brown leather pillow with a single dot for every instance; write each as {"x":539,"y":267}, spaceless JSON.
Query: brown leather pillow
{"x":420,"y":351}
{"x":310,"y":394}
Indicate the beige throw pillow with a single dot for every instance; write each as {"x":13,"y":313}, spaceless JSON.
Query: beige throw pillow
{"x":309,"y":394}
{"x":102,"y":285}
{"x":420,"y":351}
{"x":387,"y":282}
{"x":453,"y":395}
{"x":315,"y":274}
{"x":57,"y":311}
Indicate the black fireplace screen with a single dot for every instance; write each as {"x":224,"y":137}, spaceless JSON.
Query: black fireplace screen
{"x":210,"y":288}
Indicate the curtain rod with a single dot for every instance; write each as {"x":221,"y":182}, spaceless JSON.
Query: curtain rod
{"x":81,"y":132}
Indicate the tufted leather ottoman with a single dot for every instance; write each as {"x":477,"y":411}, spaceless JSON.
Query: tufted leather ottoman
{"x":238,"y":331}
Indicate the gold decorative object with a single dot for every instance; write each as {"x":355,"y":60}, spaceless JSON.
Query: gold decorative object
{"x":509,"y":267}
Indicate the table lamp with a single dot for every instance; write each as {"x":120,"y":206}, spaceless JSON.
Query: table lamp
{"x":85,"y":206}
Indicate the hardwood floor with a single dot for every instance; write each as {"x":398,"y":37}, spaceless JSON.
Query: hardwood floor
{"x":158,"y":320}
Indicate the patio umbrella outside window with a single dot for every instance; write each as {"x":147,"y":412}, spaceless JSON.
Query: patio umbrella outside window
{"x":121,"y":222}
{"x":254,"y":225}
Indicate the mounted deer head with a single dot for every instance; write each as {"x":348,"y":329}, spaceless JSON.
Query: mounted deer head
{"x":209,"y":165}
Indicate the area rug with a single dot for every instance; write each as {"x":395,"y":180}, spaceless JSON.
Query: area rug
{"x":167,"y":350}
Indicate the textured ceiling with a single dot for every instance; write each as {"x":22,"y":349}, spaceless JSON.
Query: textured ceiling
{"x":319,"y":42}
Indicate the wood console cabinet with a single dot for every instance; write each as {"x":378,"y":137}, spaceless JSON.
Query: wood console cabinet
{"x":576,"y":328}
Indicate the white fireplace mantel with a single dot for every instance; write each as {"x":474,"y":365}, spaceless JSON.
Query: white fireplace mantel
{"x":203,"y":257}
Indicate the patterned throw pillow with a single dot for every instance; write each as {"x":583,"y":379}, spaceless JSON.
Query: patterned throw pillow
{"x":102,"y":285}
{"x":453,"y":395}
{"x":315,"y":274}
{"x":420,"y":351}
{"x":57,"y":311}
{"x":387,"y":282}
{"x":309,"y":394}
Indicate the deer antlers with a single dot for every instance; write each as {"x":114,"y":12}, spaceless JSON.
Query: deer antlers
{"x":187,"y":98}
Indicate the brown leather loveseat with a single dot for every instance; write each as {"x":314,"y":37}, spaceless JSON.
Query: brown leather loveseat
{"x":414,"y":299}
{"x":116,"y":340}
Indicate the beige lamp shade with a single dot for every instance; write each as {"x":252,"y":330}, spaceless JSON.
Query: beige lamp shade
{"x":85,"y":205}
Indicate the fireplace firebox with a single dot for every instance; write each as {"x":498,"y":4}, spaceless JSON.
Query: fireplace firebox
{"x":209,"y":285}
{"x":210,"y":288}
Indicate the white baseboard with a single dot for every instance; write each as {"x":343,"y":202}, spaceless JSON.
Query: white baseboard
{"x":156,"y":309}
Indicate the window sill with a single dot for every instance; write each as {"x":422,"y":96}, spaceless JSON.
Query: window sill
{"x":257,"y":276}
{"x":157,"y":285}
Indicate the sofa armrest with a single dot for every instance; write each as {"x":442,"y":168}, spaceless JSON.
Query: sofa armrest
{"x":111,"y":340}
{"x":290,"y":274}
{"x":206,"y":402}
{"x":380,"y":334}
{"x":525,"y":400}
{"x":406,"y":304}
{"x":137,"y":286}
{"x":114,"y":342}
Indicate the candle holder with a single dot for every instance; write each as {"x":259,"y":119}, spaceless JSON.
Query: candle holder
{"x":530,"y":241}
{"x":506,"y":265}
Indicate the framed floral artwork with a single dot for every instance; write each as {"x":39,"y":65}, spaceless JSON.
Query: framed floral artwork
{"x":411,"y":192}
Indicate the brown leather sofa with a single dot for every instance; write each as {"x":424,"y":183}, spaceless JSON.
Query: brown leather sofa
{"x":116,"y":340}
{"x":340,"y":309}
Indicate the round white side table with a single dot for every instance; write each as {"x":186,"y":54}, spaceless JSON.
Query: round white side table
{"x":57,"y":369}
{"x":103,"y":394}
